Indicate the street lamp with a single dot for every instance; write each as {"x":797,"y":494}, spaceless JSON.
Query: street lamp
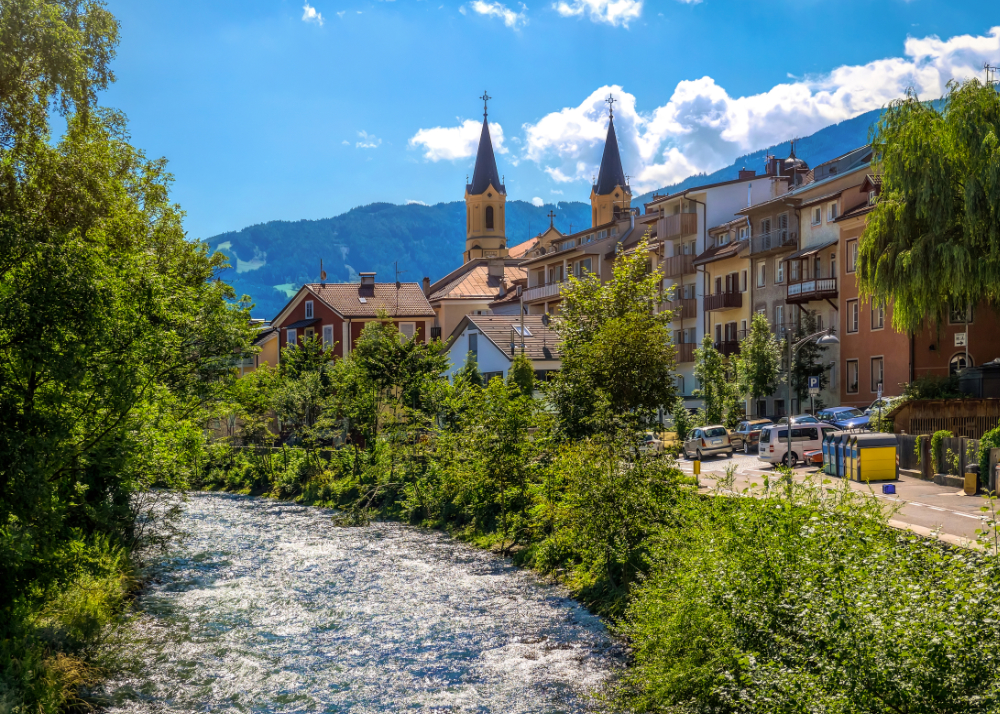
{"x":825,"y":337}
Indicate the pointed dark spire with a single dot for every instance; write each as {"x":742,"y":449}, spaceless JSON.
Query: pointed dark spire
{"x":486,"y":166}
{"x":611,"y":173}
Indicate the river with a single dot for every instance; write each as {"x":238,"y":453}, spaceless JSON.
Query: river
{"x":266,"y":606}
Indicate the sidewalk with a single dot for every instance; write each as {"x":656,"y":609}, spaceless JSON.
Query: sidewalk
{"x":924,"y":507}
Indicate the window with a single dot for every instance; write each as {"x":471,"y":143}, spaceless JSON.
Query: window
{"x":743,"y":281}
{"x":743,"y":327}
{"x":290,"y":339}
{"x":959,"y":363}
{"x":328,"y":336}
{"x":817,"y":217}
{"x":878,"y":316}
{"x":517,"y":330}
{"x":833,"y":265}
{"x":761,"y":274}
{"x":877,"y":364}
{"x":793,"y":270}
{"x":765,"y":226}
{"x":783,"y":224}
{"x":852,"y":315}
{"x":872,"y":198}
{"x":406,"y":331}
{"x":474,"y":344}
{"x":779,"y":318}
{"x":831,"y":212}
{"x":852,"y":376}
{"x":958,"y":316}
{"x":309,"y":309}
{"x":489,"y":218}
{"x":833,"y":376}
{"x":779,"y":271}
{"x":819,"y":322}
{"x":743,"y":232}
{"x":779,"y":408}
{"x":583,"y":266}
{"x":817,"y":267}
{"x":852,"y":255}
{"x":718,"y":332}
{"x":487,"y":376}
{"x":680,"y":384}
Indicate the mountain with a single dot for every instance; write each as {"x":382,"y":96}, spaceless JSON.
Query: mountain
{"x":271,"y":260}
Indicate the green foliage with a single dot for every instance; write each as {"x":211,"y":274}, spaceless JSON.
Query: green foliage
{"x":989,"y":440}
{"x":936,"y":440}
{"x":682,"y":418}
{"x":469,"y":374}
{"x":804,"y":600}
{"x":758,"y":365}
{"x":522,"y":374}
{"x":713,"y":387}
{"x":933,"y":387}
{"x":617,"y":354}
{"x":933,"y":240}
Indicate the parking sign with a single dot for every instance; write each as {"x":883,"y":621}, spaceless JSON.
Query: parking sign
{"x":813,"y":386}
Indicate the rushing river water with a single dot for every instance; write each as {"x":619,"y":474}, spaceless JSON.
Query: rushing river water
{"x":268,"y":607}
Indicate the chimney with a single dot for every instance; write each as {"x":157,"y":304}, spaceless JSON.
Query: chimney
{"x":427,"y":287}
{"x":496,"y":268}
{"x":746,"y":173}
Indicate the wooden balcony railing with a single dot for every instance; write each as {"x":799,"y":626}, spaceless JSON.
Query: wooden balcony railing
{"x":723,"y":301}
{"x":773,"y":241}
{"x":678,"y":266}
{"x":728,"y":348}
{"x":678,"y":225}
{"x":807,"y":290}
{"x":684,"y":309}
{"x":685,"y":352}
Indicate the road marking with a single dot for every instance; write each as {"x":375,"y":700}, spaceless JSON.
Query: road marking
{"x":968,"y":515}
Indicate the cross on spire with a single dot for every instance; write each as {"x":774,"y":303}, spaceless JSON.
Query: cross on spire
{"x":486,"y":98}
{"x":552,"y":216}
{"x":611,"y":105}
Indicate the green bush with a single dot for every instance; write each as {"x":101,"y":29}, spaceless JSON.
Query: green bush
{"x":936,"y":440}
{"x":990,"y":440}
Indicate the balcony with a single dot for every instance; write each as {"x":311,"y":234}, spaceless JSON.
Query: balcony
{"x":685,"y":352}
{"x":540,"y":292}
{"x":686,"y":307}
{"x":728,"y":348}
{"x":677,"y":226}
{"x":723,"y":301}
{"x":807,"y":290}
{"x":775,"y":240}
{"x":678,"y":266}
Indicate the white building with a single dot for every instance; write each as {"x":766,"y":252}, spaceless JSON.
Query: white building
{"x":494,"y":341}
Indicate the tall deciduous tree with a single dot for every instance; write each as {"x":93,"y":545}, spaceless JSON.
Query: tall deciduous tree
{"x":618,"y":355}
{"x":710,"y":371}
{"x":758,"y":365}
{"x":808,"y":360}
{"x":933,"y":239}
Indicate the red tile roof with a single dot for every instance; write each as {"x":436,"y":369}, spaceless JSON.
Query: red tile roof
{"x":357,"y":301}
{"x":477,"y":283}
{"x":542,"y":344}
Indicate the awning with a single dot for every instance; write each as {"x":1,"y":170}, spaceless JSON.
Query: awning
{"x":300,"y":324}
{"x":812,"y":250}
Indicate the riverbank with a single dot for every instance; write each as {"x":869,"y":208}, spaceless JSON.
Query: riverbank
{"x":800,"y":596}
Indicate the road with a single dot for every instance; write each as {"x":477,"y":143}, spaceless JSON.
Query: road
{"x":921,"y":506}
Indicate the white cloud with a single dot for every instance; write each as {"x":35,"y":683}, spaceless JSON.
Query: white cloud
{"x":556,"y":192}
{"x":536,"y":201}
{"x":498,"y":9}
{"x":414,"y":202}
{"x":341,"y":13}
{"x":456,"y":142}
{"x":702,"y":128}
{"x":613,"y":12}
{"x":311,"y":14}
{"x":368,"y":141}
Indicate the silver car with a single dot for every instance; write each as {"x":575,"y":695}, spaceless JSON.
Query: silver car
{"x":708,"y":441}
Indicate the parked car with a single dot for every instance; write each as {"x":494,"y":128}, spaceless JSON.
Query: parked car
{"x":708,"y":441}
{"x":649,"y":444}
{"x":846,"y":418}
{"x":799,"y":419}
{"x":806,"y":436}
{"x":747,"y":434}
{"x":885,"y":403}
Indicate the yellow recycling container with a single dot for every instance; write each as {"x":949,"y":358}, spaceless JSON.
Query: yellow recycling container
{"x":873,"y":457}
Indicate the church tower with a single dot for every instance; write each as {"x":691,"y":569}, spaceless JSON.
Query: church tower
{"x":611,"y":192}
{"x":485,"y":202}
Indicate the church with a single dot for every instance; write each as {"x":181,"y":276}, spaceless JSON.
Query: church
{"x":487,"y":281}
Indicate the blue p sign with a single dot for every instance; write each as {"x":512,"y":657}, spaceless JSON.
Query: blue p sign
{"x":814,"y":383}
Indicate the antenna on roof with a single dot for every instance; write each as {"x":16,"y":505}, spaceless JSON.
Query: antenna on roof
{"x":399,"y":272}
{"x":992,"y":74}
{"x":322,"y":273}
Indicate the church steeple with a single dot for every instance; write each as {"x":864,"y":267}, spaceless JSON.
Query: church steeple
{"x":611,"y":190}
{"x":485,"y":201}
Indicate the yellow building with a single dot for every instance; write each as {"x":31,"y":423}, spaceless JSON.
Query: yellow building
{"x":726,"y":268}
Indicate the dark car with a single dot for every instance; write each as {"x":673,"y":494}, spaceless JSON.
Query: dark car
{"x":846,"y":418}
{"x":747,"y":434}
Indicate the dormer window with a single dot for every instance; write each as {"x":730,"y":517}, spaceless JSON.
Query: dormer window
{"x":872,"y":197}
{"x":309,"y":309}
{"x":368,"y":279}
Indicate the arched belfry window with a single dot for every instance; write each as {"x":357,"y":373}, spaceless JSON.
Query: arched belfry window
{"x":489,"y":218}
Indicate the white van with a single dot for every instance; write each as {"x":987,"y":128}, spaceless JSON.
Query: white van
{"x":805,"y":437}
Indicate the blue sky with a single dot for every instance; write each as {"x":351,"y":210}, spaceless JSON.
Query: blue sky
{"x":281,"y":109}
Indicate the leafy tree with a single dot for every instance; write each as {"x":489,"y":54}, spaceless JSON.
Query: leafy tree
{"x":933,"y":239}
{"x":617,"y":354}
{"x":758,"y":365}
{"x":682,"y":418}
{"x":469,"y":374}
{"x":710,"y":371}
{"x":522,"y":373}
{"x":808,"y":360}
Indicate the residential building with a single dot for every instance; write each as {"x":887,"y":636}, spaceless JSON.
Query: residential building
{"x":494,"y":341}
{"x":682,"y":221}
{"x":726,"y":269}
{"x":337,"y":312}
